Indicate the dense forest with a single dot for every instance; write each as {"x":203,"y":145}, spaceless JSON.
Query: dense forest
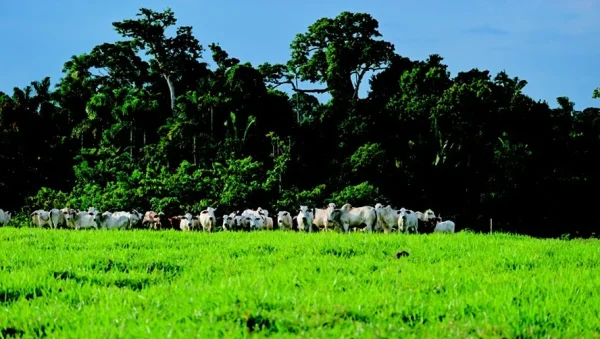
{"x":147,"y":123}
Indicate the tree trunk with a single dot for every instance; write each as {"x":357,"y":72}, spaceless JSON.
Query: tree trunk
{"x":211,"y":121}
{"x":194,"y":150}
{"x":131,"y":140}
{"x":297,"y":102}
{"x":171,"y":92}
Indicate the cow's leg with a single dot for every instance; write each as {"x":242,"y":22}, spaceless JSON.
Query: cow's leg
{"x":346,"y":227}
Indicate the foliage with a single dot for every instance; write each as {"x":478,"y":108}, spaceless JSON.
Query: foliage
{"x":357,"y":195}
{"x":144,"y":123}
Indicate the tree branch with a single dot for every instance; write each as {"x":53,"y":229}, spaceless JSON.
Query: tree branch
{"x":315,"y":90}
{"x":361,"y":75}
{"x":295,"y":89}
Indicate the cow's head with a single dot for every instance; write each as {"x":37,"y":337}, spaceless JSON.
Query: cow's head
{"x":428,"y":215}
{"x":280,"y":216}
{"x":333,"y":214}
{"x":263,"y":212}
{"x":259,"y":222}
{"x":227,"y":222}
{"x":305,"y":214}
{"x":210,"y":212}
{"x":248,"y":222}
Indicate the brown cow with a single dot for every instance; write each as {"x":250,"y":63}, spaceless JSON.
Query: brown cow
{"x":174,"y":222}
{"x":154,"y":220}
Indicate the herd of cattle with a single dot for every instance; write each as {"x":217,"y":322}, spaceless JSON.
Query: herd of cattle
{"x":366,"y":218}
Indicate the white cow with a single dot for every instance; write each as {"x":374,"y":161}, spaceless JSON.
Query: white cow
{"x":446,"y":226}
{"x":349,"y":216}
{"x":79,"y":220}
{"x":247,"y":222}
{"x":133,"y":217}
{"x":305,"y":218}
{"x":58,"y":218}
{"x":186,"y":223}
{"x":427,"y":220}
{"x":259,"y":222}
{"x":284,"y":220}
{"x":208,"y":221}
{"x":237,"y":221}
{"x":387,"y":217}
{"x":41,"y":218}
{"x":320,"y":217}
{"x":428,"y":215}
{"x":257,"y":216}
{"x":262,"y":212}
{"x":228,"y":222}
{"x":110,"y":221}
{"x":68,"y":213}
{"x":268,"y":223}
{"x":408,"y":221}
{"x":4,"y":217}
{"x":250,"y":211}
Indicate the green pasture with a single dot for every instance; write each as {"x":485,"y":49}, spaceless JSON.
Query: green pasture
{"x":138,"y":284}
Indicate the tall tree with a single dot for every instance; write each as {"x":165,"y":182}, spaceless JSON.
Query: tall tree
{"x":171,"y":54}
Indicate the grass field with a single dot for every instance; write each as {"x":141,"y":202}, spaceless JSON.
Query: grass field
{"x":98,"y":284}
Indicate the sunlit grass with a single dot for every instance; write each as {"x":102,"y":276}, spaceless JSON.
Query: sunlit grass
{"x":159,"y":284}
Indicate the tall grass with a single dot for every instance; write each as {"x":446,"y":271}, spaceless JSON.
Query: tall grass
{"x":172,"y":284}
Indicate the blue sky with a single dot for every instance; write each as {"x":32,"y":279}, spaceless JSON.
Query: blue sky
{"x":553,"y":44}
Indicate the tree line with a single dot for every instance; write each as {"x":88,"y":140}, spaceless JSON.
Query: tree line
{"x":145,"y":122}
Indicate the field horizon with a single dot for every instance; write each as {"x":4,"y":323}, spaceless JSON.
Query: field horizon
{"x":288,"y":284}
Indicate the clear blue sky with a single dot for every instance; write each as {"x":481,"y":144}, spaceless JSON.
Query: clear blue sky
{"x":553,"y":44}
